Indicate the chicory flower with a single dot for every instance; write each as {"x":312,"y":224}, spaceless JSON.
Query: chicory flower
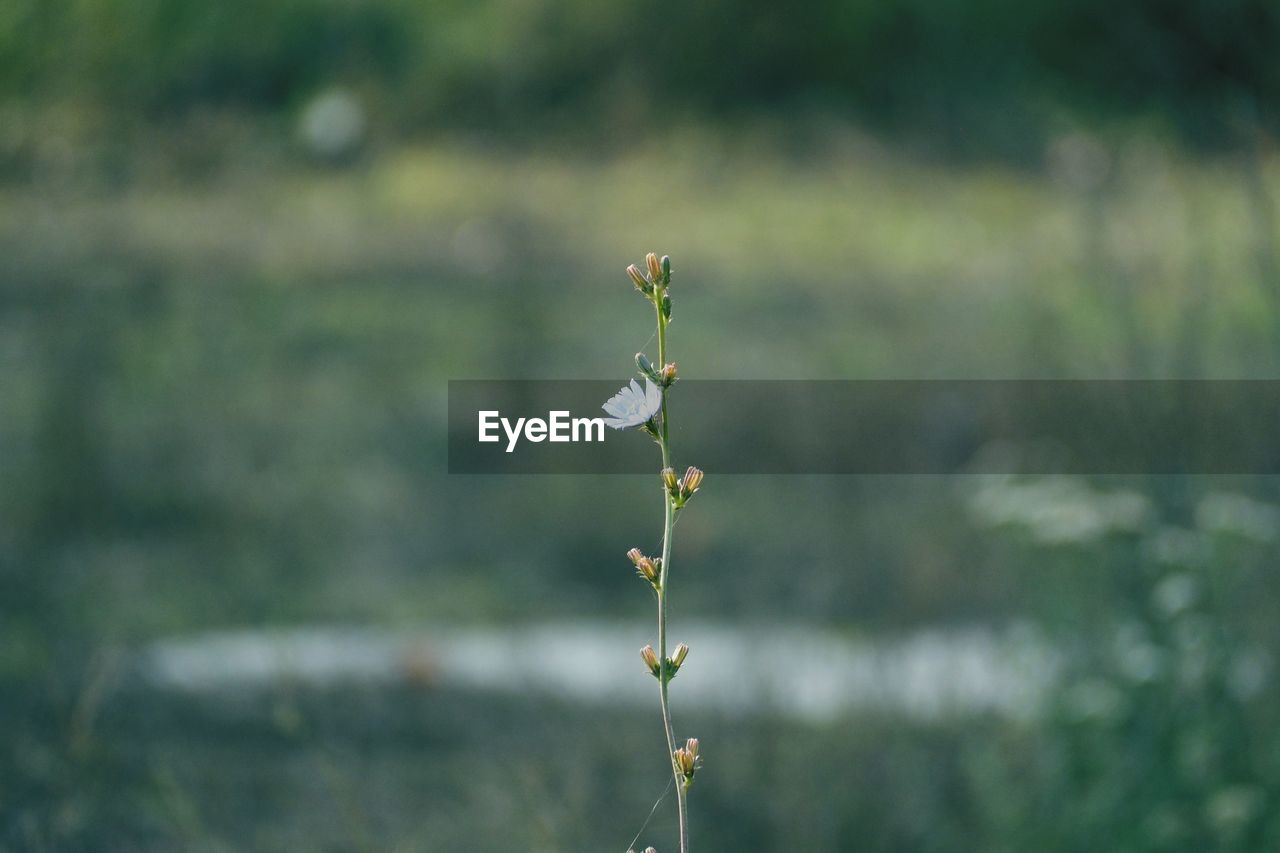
{"x":633,"y":407}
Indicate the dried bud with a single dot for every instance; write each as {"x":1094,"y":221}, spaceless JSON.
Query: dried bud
{"x":687,"y":759}
{"x":650,"y":658}
{"x":667,"y":375}
{"x":655,"y":266}
{"x":669,"y":480}
{"x":692,"y":480}
{"x":642,"y":284}
{"x":646,"y":567}
{"x":682,"y":652}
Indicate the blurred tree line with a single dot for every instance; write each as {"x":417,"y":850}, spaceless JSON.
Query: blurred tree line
{"x":984,"y":76}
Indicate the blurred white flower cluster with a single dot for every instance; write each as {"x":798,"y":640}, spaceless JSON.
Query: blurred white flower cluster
{"x":1058,"y":509}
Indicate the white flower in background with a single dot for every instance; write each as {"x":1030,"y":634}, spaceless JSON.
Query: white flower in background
{"x":1058,"y":510}
{"x":632,"y":407}
{"x":1228,"y":512}
{"x":333,"y":124}
{"x":1175,"y":593}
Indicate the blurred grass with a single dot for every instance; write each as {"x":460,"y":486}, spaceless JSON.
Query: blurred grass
{"x":894,"y":268}
{"x":448,"y":770}
{"x":224,"y":405}
{"x":223,"y":355}
{"x":248,"y":374}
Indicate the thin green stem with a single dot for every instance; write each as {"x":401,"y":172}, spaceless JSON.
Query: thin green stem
{"x":668,"y":522}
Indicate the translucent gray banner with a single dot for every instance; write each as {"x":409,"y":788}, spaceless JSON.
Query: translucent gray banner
{"x":878,"y":427}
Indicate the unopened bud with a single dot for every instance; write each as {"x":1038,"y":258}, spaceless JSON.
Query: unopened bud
{"x":692,"y":480}
{"x":666,"y":305}
{"x":667,"y":374}
{"x":686,"y":758}
{"x":666,"y":269}
{"x":646,"y":367}
{"x":650,"y":658}
{"x":682,"y":652}
{"x":646,"y":567}
{"x":669,"y":480}
{"x":642,"y":284}
{"x":655,"y":266}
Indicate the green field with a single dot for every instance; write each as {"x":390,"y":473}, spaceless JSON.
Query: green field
{"x":224,"y":402}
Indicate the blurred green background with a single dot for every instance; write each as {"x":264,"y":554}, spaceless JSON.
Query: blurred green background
{"x":246,"y":243}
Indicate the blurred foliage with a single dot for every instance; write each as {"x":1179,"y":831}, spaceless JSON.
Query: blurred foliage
{"x":222,"y":368}
{"x":224,"y":404}
{"x":977,"y":78}
{"x":1154,"y":738}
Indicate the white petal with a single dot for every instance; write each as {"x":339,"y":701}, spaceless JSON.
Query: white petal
{"x":653,"y":396}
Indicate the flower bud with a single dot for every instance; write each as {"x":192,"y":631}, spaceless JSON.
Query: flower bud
{"x":655,"y":266}
{"x":646,"y":367}
{"x":646,"y":567}
{"x":666,"y":269}
{"x":666,"y":305}
{"x":692,"y":480}
{"x":667,"y":375}
{"x":682,"y":652}
{"x":686,"y":758}
{"x":669,"y":480}
{"x":642,"y":284}
{"x":650,"y":658}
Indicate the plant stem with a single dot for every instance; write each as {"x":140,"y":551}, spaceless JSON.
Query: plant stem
{"x":668,"y":522}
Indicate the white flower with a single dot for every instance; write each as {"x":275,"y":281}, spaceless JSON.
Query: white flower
{"x":631,"y":407}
